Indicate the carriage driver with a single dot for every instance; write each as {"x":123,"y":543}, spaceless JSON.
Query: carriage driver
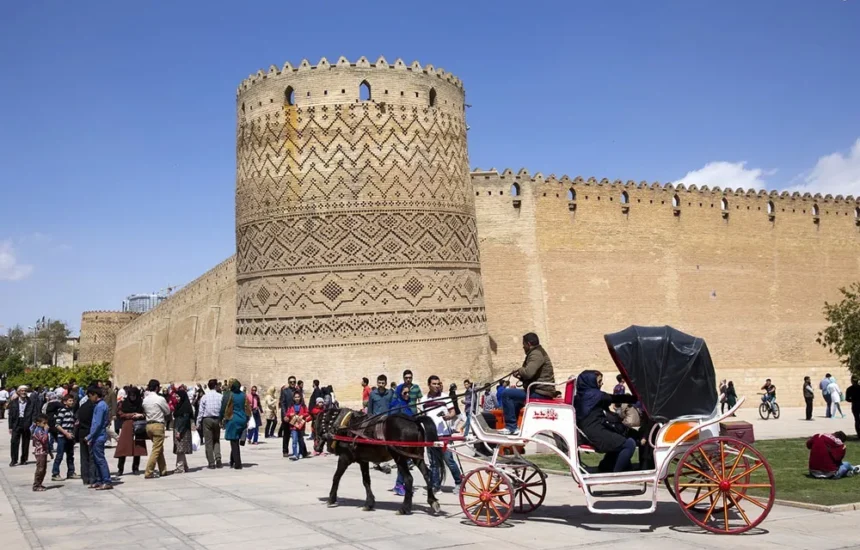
{"x":537,"y":367}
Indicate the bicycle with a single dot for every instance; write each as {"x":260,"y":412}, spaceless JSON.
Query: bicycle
{"x":768,"y":408}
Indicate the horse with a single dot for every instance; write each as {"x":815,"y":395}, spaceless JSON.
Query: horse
{"x":393,"y":427}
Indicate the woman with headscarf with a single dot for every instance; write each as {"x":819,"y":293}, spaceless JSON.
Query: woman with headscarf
{"x":236,"y":412}
{"x":182,"y":430}
{"x":271,"y":405}
{"x":603,"y":428}
{"x":130,"y":409}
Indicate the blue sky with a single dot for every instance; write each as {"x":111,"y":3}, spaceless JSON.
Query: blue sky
{"x":118,"y":163}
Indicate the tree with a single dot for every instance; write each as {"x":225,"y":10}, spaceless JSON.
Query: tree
{"x":54,"y":336}
{"x":842,"y":337}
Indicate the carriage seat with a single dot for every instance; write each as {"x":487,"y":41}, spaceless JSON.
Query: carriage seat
{"x":566,"y":400}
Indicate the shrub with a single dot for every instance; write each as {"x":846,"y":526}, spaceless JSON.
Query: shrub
{"x":51,"y":377}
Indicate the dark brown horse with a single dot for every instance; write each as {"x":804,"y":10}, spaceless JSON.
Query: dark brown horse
{"x":394,"y":427}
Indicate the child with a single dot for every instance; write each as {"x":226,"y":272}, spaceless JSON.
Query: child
{"x":64,"y":426}
{"x":40,"y":450}
{"x":296,"y":416}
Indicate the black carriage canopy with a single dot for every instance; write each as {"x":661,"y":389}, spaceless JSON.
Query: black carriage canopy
{"x":670,"y":372}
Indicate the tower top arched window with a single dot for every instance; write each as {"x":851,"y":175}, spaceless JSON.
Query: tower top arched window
{"x":515,"y":190}
{"x":364,"y":91}
{"x":571,"y":194}
{"x":290,"y":96}
{"x":625,"y":198}
{"x":676,"y":201}
{"x":724,"y":204}
{"x":815,"y":210}
{"x":432,"y":97}
{"x":770,"y":207}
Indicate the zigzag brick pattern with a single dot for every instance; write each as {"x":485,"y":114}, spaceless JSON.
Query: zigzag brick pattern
{"x":355,"y":225}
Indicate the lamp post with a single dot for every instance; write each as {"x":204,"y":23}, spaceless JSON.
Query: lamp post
{"x":34,"y":345}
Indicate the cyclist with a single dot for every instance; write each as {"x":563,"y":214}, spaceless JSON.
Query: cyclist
{"x":769,"y":393}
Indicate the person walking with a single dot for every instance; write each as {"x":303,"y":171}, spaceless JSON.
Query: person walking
{"x":270,"y":403}
{"x":64,"y":428}
{"x":4,"y":398}
{"x":21,"y":414}
{"x":808,"y":396}
{"x":379,"y":400}
{"x":436,"y":408}
{"x":130,"y":444}
{"x":297,"y":416}
{"x":723,"y":401}
{"x":237,"y":410}
{"x":835,"y":398}
{"x":40,"y":450}
{"x":209,"y":417}
{"x":826,"y":394}
{"x":82,"y":430}
{"x":256,"y":407}
{"x":852,"y":395}
{"x":731,"y":396}
{"x":97,"y":439}
{"x":157,"y":413}
{"x":112,"y":402}
{"x":365,"y":393}
{"x":286,"y":398}
{"x":182,"y":428}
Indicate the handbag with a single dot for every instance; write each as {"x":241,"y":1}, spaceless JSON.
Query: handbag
{"x":195,"y":441}
{"x":252,"y":423}
{"x":139,"y":428}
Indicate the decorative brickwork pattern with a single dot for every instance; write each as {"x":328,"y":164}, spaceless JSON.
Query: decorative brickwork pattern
{"x":355,"y":219}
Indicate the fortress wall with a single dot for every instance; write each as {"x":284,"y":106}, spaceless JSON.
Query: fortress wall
{"x":752,"y":286}
{"x":190,"y":337}
{"x":98,"y":334}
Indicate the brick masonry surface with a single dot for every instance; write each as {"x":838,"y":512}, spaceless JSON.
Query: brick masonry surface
{"x":334,"y":190}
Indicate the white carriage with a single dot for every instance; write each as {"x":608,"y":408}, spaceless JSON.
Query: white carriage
{"x":722,"y":484}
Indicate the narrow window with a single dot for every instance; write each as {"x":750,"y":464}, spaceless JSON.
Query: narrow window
{"x":625,"y":198}
{"x":290,"y":96}
{"x":724,"y":204}
{"x":243,"y":107}
{"x":515,"y":190}
{"x":676,"y":201}
{"x":857,"y":213}
{"x":770,"y":208}
{"x":364,"y":91}
{"x":432,"y":97}
{"x":571,"y":194}
{"x":815,"y":211}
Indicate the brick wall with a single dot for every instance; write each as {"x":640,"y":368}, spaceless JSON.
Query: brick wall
{"x":752,"y":286}
{"x":98,"y":334}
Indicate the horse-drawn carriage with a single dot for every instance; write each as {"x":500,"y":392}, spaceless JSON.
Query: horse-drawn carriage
{"x":722,"y":484}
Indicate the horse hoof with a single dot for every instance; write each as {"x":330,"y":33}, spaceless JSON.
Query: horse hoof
{"x":436,"y":508}
{"x":332,"y":504}
{"x":367,"y":508}
{"x":402,"y":512}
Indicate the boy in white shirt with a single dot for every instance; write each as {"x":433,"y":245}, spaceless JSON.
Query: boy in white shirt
{"x":439,"y":408}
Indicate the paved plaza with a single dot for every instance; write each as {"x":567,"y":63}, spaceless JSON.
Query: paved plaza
{"x":275,"y":503}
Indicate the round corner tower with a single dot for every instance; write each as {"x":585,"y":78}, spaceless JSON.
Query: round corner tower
{"x":355,"y":226}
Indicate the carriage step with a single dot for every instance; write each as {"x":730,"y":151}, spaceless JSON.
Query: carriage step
{"x":619,"y":492}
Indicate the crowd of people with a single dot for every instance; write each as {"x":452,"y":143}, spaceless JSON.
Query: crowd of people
{"x":138,"y":419}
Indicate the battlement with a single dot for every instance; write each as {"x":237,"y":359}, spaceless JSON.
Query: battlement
{"x":107,"y":314}
{"x":344,"y":63}
{"x":494,"y":178}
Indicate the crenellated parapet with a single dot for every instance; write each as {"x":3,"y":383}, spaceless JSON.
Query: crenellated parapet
{"x":98,"y":334}
{"x":488,"y":183}
{"x":267,"y":94}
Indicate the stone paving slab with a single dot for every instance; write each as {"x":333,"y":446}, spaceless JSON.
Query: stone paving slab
{"x":281,"y":504}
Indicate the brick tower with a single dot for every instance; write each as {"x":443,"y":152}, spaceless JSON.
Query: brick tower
{"x":355,"y":226}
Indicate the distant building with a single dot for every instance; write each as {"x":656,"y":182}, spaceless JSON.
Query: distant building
{"x":141,"y":303}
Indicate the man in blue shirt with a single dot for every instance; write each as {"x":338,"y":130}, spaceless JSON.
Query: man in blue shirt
{"x":97,"y":439}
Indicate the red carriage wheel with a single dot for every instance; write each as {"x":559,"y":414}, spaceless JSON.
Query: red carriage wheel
{"x":731,"y":478}
{"x":486,"y":496}
{"x":691,"y":476}
{"x":529,"y":488}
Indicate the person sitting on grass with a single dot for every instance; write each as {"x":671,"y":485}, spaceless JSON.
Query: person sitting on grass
{"x":827,"y":457}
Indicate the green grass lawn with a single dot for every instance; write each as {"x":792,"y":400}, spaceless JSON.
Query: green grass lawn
{"x":788,"y":459}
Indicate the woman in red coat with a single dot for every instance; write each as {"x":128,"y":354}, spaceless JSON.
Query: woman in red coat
{"x":296,"y":416}
{"x":827,"y":457}
{"x":130,"y":409}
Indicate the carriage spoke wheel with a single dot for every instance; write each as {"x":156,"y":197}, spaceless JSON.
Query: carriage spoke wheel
{"x":529,"y":488}
{"x":731,"y":479}
{"x":693,"y":477}
{"x":486,"y":496}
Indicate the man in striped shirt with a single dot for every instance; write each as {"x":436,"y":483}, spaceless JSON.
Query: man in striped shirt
{"x":209,"y":417}
{"x":64,"y":426}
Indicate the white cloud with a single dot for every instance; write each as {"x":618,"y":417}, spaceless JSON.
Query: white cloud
{"x":836,"y":173}
{"x":724,"y":175}
{"x":10,"y":269}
